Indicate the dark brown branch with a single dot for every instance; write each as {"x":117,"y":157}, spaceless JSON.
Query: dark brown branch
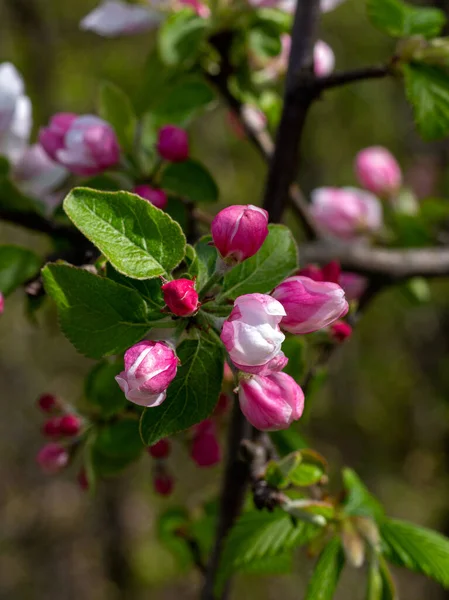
{"x":300,"y":92}
{"x":36,"y":222}
{"x":392,"y":264}
{"x":345,"y":77}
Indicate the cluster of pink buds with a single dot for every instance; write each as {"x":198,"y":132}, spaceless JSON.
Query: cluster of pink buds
{"x":54,"y":456}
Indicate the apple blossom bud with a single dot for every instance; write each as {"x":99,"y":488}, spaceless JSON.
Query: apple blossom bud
{"x":323,"y":59}
{"x":86,"y":145}
{"x":378,"y":171}
{"x":205,"y":451}
{"x":15,"y":113}
{"x":82,"y":479}
{"x":48,"y":403}
{"x":155,"y":196}
{"x":239,"y":231}
{"x":161,"y":449}
{"x":181,"y":297}
{"x":163,"y":484}
{"x":173,"y":143}
{"x":310,"y":305}
{"x":150,"y":367}
{"x":52,"y":458}
{"x":331,"y":271}
{"x":340,"y":331}
{"x":70,"y":425}
{"x":199,"y":8}
{"x":312,"y":272}
{"x":251,"y":334}
{"x":222,"y":405}
{"x":52,"y":427}
{"x":228,"y":375}
{"x":271,"y":402}
{"x":353,"y":284}
{"x":2,"y":303}
{"x":346,"y":213}
{"x":114,"y":18}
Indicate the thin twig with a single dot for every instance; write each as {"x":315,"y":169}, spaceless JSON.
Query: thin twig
{"x":344,"y":77}
{"x":36,"y":222}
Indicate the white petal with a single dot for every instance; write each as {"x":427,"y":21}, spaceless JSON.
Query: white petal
{"x":114,"y":18}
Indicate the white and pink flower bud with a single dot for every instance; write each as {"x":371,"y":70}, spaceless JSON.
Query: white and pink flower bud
{"x":173,"y":143}
{"x":251,"y":334}
{"x":15,"y":113}
{"x":52,"y":458}
{"x":150,"y":367}
{"x":271,"y":402}
{"x":36,"y":174}
{"x":86,"y":145}
{"x":353,"y":284}
{"x":346,"y":213}
{"x":310,"y":305}
{"x":155,"y":196}
{"x":239,"y":231}
{"x":378,"y":171}
{"x":323,"y":59}
{"x":114,"y":18}
{"x":181,"y":297}
{"x":205,"y":450}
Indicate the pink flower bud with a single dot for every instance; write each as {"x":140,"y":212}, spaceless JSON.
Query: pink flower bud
{"x":48,"y":403}
{"x":205,"y":451}
{"x":378,"y":171}
{"x":163,"y":484}
{"x":312,"y":272}
{"x":251,"y":334}
{"x":161,"y":449}
{"x":114,"y":18}
{"x":310,"y":305}
{"x":323,"y":59}
{"x":2,"y":303}
{"x":52,"y":458}
{"x":331,"y":272}
{"x":70,"y":425}
{"x":239,"y":232}
{"x":173,"y":143}
{"x":86,"y":145}
{"x":199,"y":8}
{"x":271,"y":402}
{"x":52,"y":427}
{"x":37,"y":174}
{"x":340,"y":331}
{"x":222,"y":405}
{"x":354,"y":285}
{"x":82,"y":479}
{"x":157,"y":197}
{"x":346,"y":212}
{"x":150,"y":367}
{"x":181,"y":297}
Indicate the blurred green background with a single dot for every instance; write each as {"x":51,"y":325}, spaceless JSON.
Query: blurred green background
{"x":384,"y":410}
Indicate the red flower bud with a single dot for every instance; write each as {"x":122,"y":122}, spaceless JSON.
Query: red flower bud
{"x":52,"y":427}
{"x":173,"y":143}
{"x":70,"y":425}
{"x":48,"y":403}
{"x":181,"y":297}
{"x":222,"y":405}
{"x":155,"y":196}
{"x":205,"y":450}
{"x":52,"y":458}
{"x":161,"y":449}
{"x":83,"y":482}
{"x":163,"y":484}
{"x":340,"y":331}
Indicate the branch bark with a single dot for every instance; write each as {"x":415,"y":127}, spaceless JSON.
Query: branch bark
{"x":345,"y":77}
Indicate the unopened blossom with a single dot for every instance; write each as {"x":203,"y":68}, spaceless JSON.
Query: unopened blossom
{"x":251,"y":334}
{"x":347,"y":212}
{"x":52,"y":458}
{"x":353,"y":284}
{"x":202,"y":10}
{"x":36,"y":174}
{"x":161,"y":449}
{"x":309,"y":305}
{"x":70,"y":425}
{"x":323,"y":59}
{"x":271,"y":402}
{"x":340,"y":331}
{"x":163,"y":483}
{"x":173,"y":143}
{"x":205,"y":450}
{"x":2,"y":303}
{"x":239,"y":231}
{"x":15,"y":113}
{"x":83,"y":480}
{"x":52,"y":427}
{"x":114,"y":18}
{"x":48,"y":403}
{"x":181,"y":297}
{"x":378,"y":171}
{"x":155,"y":196}
{"x":86,"y":145}
{"x":150,"y":367}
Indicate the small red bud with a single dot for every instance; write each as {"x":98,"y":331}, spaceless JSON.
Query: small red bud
{"x":205,"y":451}
{"x":181,"y":297}
{"x":83,"y":482}
{"x":52,"y":427}
{"x":340,"y":331}
{"x":222,"y":405}
{"x":52,"y":458}
{"x":173,"y":143}
{"x":70,"y":425}
{"x":155,"y":196}
{"x":163,"y":484}
{"x":161,"y":449}
{"x":48,"y":403}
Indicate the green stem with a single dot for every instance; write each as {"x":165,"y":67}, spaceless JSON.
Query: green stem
{"x":215,"y":278}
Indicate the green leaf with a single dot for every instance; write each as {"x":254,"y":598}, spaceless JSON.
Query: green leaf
{"x":116,"y":108}
{"x":264,"y":40}
{"x":17,"y":265}
{"x":120,"y":439}
{"x":388,"y":587}
{"x":416,"y":548}
{"x":294,"y":348}
{"x":156,"y":78}
{"x":101,"y":389}
{"x":258,"y":536}
{"x":275,"y":261}
{"x":202,"y":263}
{"x":400,"y":19}
{"x":269,"y":565}
{"x":137,"y":238}
{"x":180,"y":38}
{"x":288,"y":440}
{"x":149,"y":289}
{"x":193,"y":394}
{"x":191,"y":180}
{"x":427,"y":90}
{"x":182,"y":101}
{"x":96,"y":314}
{"x":359,"y":501}
{"x":327,"y":571}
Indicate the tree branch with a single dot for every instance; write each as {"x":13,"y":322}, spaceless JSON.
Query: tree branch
{"x":36,"y":222}
{"x":366,"y":260}
{"x":345,"y":77}
{"x":300,"y":92}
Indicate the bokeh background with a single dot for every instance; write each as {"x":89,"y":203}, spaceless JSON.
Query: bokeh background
{"x":384,"y":410}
